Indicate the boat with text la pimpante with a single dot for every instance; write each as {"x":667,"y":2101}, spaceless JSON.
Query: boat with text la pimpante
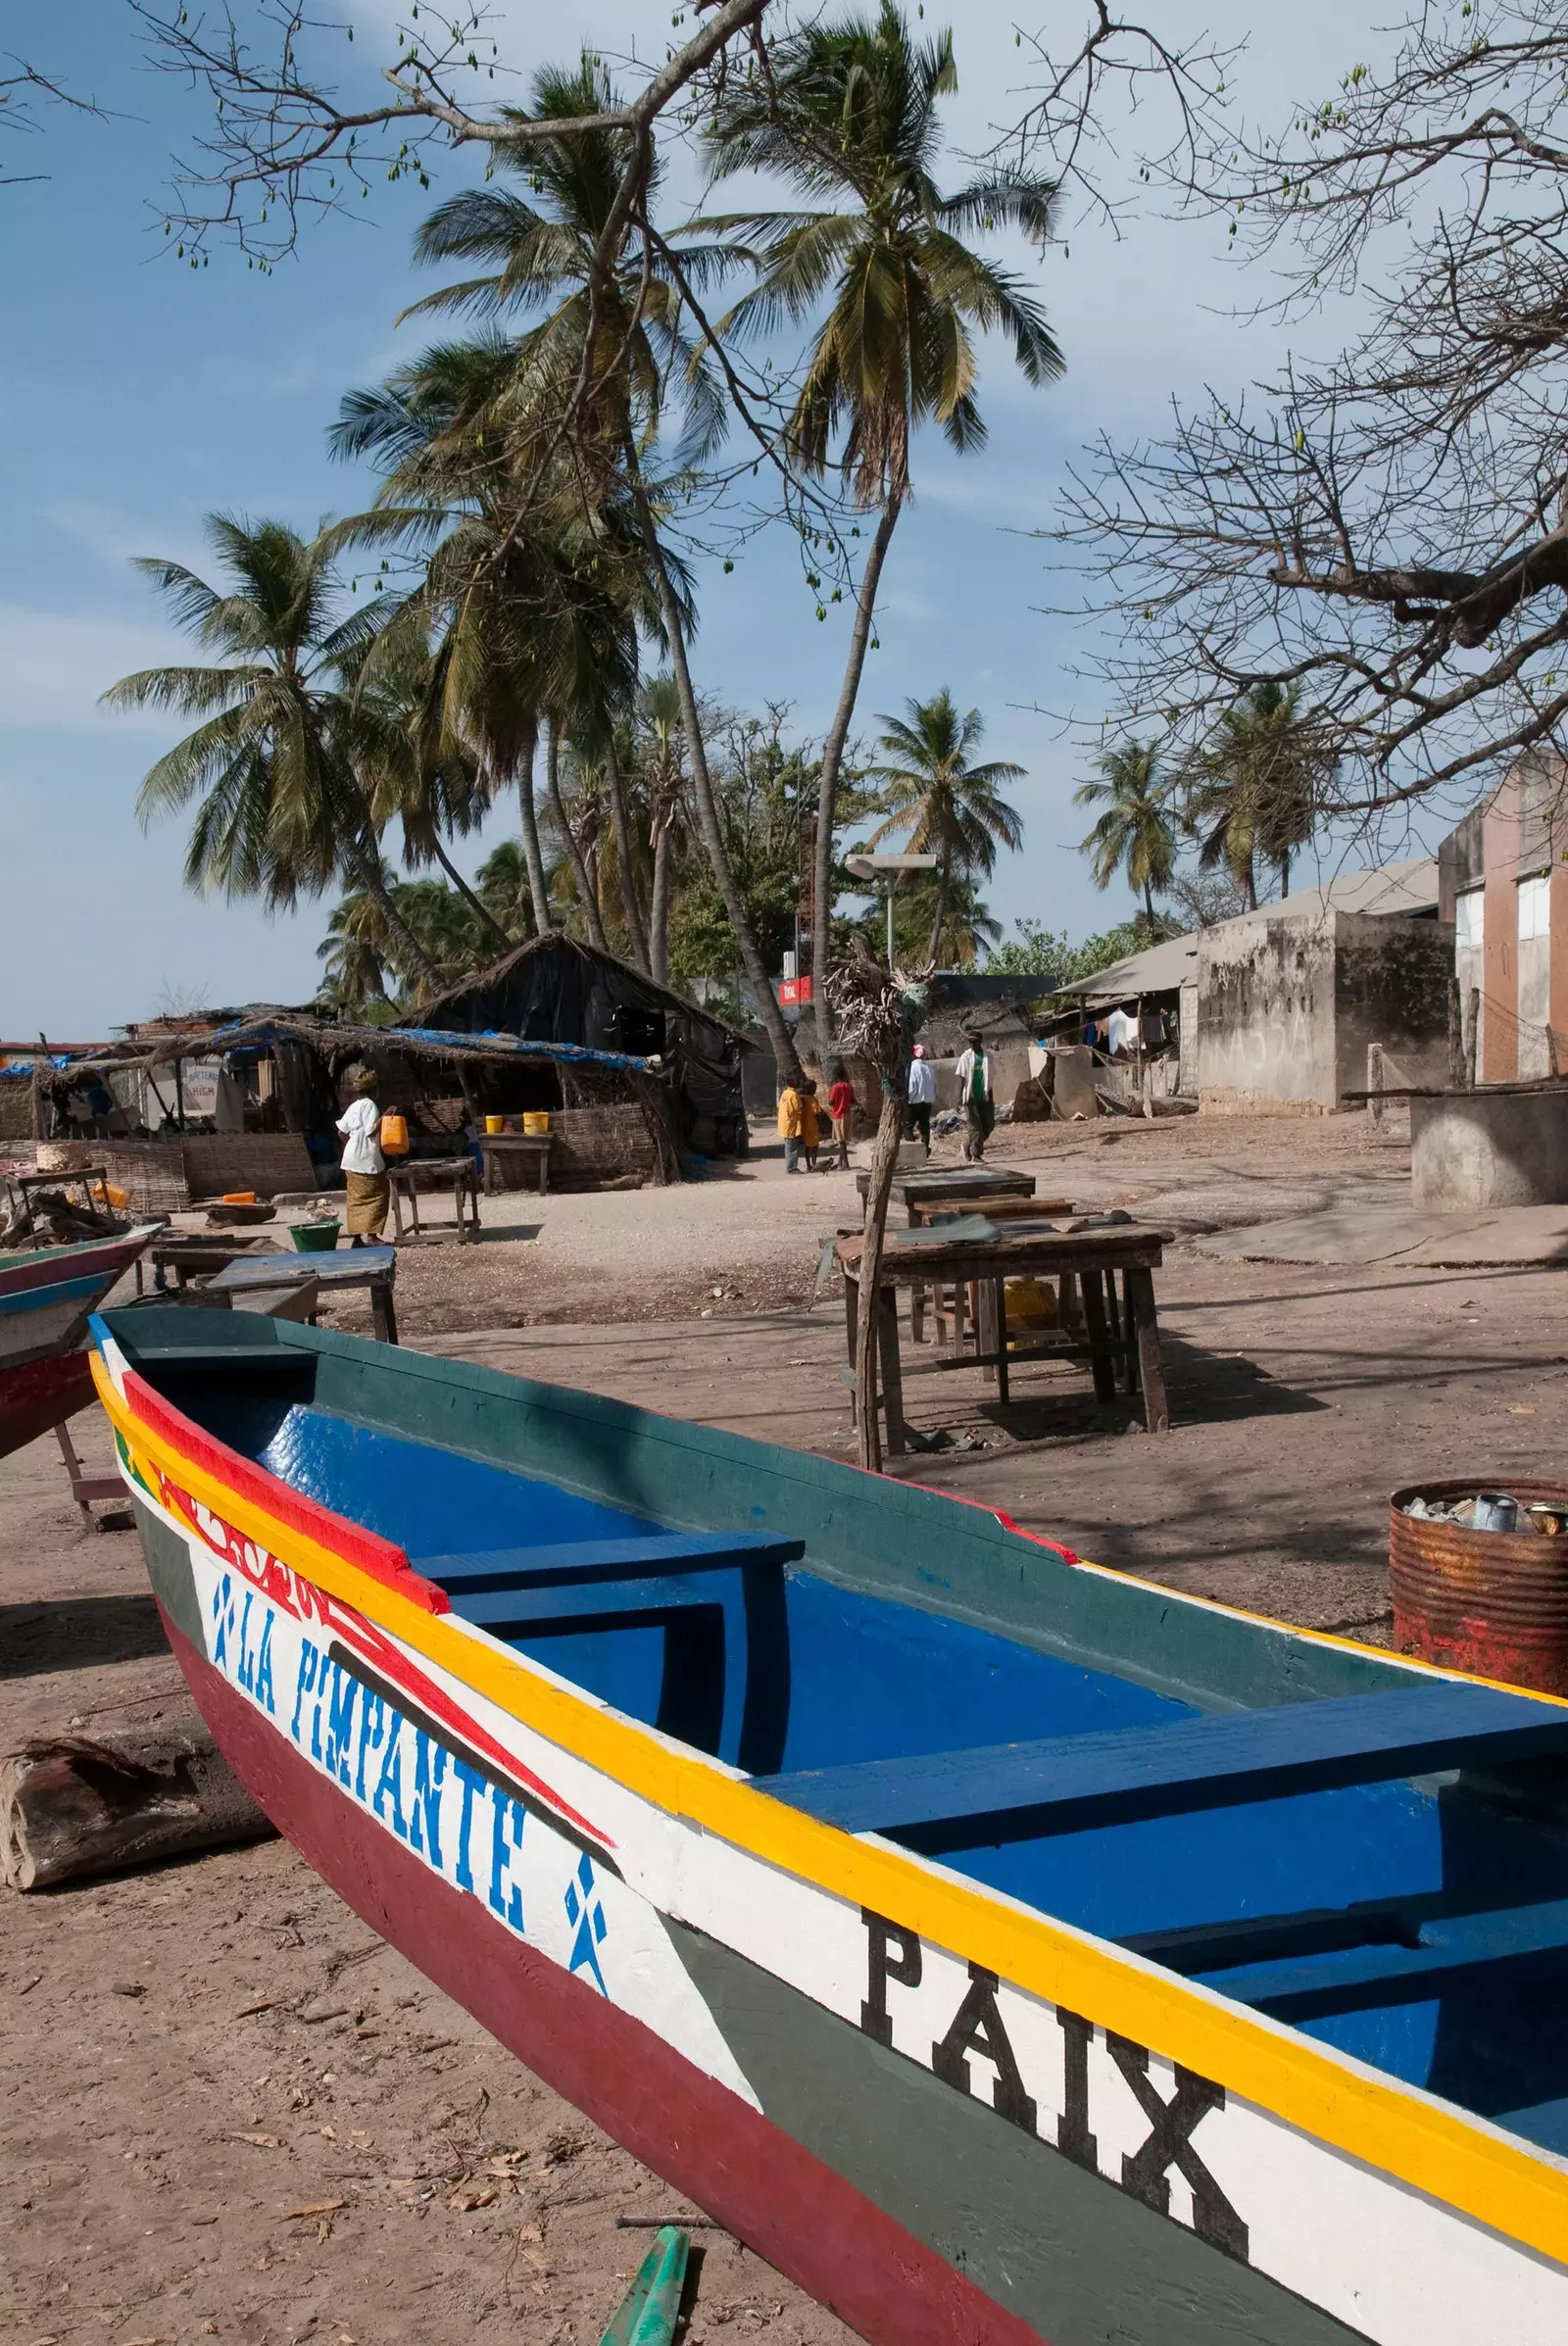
{"x":1008,"y":1950}
{"x":47,"y":1295}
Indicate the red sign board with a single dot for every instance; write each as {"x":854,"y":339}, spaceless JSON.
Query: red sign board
{"x":796,"y":989}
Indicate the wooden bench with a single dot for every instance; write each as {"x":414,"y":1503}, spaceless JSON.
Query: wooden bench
{"x":1074,"y":1784}
{"x":700,"y":1616}
{"x":1523,"y":1937}
{"x":570,"y":1562}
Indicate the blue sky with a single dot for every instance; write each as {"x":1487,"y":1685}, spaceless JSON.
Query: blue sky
{"x":137,"y":395}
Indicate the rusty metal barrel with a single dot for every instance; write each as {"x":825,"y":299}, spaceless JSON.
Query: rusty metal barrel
{"x":1492,"y":1602}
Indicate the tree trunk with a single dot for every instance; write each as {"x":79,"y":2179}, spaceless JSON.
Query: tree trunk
{"x":476,"y":903}
{"x":879,"y":1189}
{"x":944,"y":877}
{"x":75,"y":1805}
{"x":785,"y":1058}
{"x":586,"y":891}
{"x":658,"y":911}
{"x":365,"y":866}
{"x":538,"y":886}
{"x":833,"y":759}
{"x":1285,"y":873}
{"x":630,"y":904}
{"x":1148,"y":901}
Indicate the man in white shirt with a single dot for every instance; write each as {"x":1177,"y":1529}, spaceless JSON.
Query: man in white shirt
{"x":369,"y":1192}
{"x":973,"y":1073}
{"x":922,"y":1096}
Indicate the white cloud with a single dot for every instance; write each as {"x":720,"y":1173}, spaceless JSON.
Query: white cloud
{"x":55,"y":664}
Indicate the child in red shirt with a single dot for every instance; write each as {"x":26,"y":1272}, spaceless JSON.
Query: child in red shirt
{"x":841,"y":1108}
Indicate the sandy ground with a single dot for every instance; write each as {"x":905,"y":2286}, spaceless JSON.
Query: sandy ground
{"x":189,"y":2057}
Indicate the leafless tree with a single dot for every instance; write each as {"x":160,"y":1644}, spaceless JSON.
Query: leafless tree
{"x":1388,"y":529}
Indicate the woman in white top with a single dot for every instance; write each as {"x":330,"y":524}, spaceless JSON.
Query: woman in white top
{"x":363,"y":1166}
{"x":922,"y":1096}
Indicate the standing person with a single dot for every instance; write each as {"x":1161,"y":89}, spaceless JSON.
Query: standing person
{"x":841,"y":1108}
{"x":811,"y":1123}
{"x":364,"y":1165}
{"x":973,"y":1072}
{"x":789,"y":1125}
{"x":922,"y":1096}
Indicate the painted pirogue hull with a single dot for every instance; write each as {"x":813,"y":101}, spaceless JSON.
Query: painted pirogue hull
{"x":46,"y":1298}
{"x":946,"y":2115}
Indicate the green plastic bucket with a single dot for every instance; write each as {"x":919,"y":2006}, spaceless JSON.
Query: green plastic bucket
{"x":315,"y":1238}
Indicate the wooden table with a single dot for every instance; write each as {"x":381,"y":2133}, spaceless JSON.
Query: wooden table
{"x":190,"y":1254}
{"x":1122,"y":1335}
{"x":923,"y":1212}
{"x":953,"y":1188}
{"x":458,"y":1174}
{"x":497,"y":1147}
{"x":373,"y":1267}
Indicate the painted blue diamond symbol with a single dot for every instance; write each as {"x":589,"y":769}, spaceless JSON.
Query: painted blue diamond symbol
{"x":582,"y":1906}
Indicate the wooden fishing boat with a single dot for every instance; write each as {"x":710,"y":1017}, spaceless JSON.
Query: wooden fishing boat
{"x":47,"y":1296}
{"x":1008,"y":1950}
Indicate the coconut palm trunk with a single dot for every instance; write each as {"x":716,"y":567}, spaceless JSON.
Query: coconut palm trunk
{"x":944,"y":885}
{"x":476,"y":903}
{"x":366,"y":864}
{"x":631,"y":904}
{"x":538,"y":886}
{"x":659,"y":907}
{"x":833,"y":761}
{"x":587,"y":891}
{"x":785,"y":1058}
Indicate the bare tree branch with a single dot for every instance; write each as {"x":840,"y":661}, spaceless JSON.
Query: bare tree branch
{"x":283,"y":142}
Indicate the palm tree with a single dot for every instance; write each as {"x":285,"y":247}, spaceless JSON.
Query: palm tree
{"x":504,"y":891}
{"x":548,"y":255}
{"x":660,"y":713}
{"x":1256,"y":786}
{"x":847,"y":112}
{"x":280,"y":810}
{"x":356,"y":950}
{"x":411,"y":766}
{"x":952,"y":809}
{"x":1134,"y":834}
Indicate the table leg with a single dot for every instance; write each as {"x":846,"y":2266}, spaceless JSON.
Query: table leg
{"x":961,"y":1298}
{"x":1069,"y":1309}
{"x":489,"y":1173}
{"x":1003,"y":1370}
{"x":892,"y":1369}
{"x":1141,"y":1300}
{"x":397,"y":1216}
{"x":383,"y":1311}
{"x":916,"y":1315}
{"x":544,"y":1172}
{"x":1102,"y":1360}
{"x":474,"y":1201}
{"x":851,"y":1315}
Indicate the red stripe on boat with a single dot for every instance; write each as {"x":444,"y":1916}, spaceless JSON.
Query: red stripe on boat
{"x":754,"y":2179}
{"x":367,"y":1550}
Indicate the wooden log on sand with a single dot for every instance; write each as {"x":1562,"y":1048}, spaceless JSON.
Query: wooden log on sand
{"x":75,"y":1805}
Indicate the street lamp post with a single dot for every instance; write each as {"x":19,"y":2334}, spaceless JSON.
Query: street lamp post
{"x":890,"y":869}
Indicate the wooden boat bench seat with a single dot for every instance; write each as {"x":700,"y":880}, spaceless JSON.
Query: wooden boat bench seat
{"x":563,"y":1608}
{"x":567,"y":1561}
{"x":1519,"y":1938}
{"x":671,"y":1581}
{"x":1010,"y":1791}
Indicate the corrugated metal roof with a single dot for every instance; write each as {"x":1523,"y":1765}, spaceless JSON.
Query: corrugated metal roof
{"x":1389,"y":889}
{"x":1158,"y":970}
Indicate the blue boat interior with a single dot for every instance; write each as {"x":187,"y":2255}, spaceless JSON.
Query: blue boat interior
{"x":1387,"y":1873}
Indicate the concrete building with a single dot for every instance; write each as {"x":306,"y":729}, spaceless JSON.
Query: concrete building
{"x":1502,"y":878}
{"x":1277,"y":1008}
